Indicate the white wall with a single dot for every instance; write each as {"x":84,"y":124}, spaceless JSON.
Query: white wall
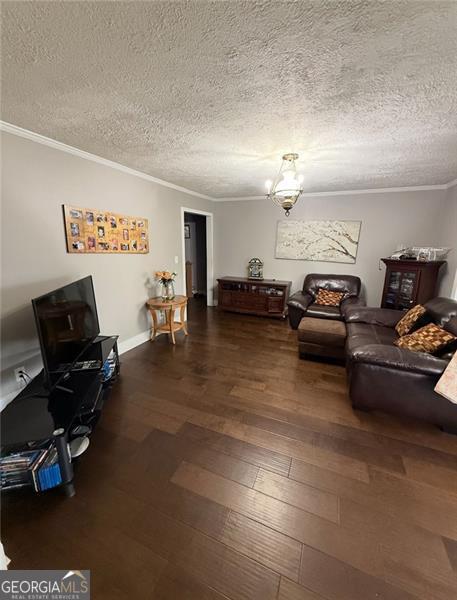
{"x":36,"y":181}
{"x":448,"y":238}
{"x":388,"y":219}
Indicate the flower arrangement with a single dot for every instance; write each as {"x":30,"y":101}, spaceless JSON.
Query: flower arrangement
{"x":165,"y":277}
{"x":167,"y":280}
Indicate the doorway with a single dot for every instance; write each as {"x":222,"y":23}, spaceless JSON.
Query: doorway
{"x":197,"y":244}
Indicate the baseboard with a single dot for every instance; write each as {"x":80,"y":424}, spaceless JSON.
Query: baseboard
{"x":134,"y":341}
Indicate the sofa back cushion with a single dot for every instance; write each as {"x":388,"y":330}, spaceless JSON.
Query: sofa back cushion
{"x":441,"y":310}
{"x":450,"y":350}
{"x":451,"y":326}
{"x":349,"y":285}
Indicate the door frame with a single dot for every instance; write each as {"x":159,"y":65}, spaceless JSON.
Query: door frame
{"x":209,"y":252}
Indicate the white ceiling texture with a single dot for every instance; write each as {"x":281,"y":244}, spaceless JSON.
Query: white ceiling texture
{"x":209,"y":95}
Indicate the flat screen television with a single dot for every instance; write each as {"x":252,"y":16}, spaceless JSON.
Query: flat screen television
{"x":67,"y":323}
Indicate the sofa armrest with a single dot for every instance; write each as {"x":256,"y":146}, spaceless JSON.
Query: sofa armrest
{"x":300,"y":300}
{"x":297,"y":305}
{"x":384,"y":317}
{"x":399,"y":359}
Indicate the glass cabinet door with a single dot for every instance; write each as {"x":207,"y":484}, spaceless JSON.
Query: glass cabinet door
{"x":407,"y":287}
{"x":401,"y":287}
{"x":393,"y":288}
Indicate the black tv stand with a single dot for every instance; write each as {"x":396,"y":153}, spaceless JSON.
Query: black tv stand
{"x":61,"y":388}
{"x":39,"y":416}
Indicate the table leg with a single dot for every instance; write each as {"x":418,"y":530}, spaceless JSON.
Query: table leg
{"x":154,"y":324}
{"x":171,"y":319}
{"x":183,"y":321}
{"x":69,"y":489}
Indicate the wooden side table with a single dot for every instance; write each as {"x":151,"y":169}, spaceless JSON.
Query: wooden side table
{"x":170,"y":326}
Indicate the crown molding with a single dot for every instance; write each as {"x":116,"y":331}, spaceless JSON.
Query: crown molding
{"x":41,"y":139}
{"x":413,"y":188}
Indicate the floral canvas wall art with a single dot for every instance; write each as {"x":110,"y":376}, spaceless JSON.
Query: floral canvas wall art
{"x":328,"y":241}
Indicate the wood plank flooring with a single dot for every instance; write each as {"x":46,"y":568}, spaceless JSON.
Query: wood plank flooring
{"x":226,"y":468}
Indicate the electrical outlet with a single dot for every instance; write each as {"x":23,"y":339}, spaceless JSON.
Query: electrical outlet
{"x":17,"y":374}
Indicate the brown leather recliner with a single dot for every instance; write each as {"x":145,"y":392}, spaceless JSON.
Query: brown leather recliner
{"x":396,"y":380}
{"x":302,"y":304}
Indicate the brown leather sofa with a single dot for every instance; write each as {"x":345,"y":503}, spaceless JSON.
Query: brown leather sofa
{"x":301,"y":304}
{"x":396,"y":380}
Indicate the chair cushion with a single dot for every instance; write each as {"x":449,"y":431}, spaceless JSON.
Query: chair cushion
{"x":430,"y":338}
{"x":406,"y":323}
{"x":328,"y":298}
{"x":323,"y":332}
{"x":320,"y":311}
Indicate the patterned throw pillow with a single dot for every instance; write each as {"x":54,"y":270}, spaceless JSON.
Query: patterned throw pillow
{"x":328,"y":298}
{"x":430,"y":338}
{"x":406,"y":323}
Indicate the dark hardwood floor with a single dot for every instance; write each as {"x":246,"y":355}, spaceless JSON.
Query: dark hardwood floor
{"x":227,"y":468}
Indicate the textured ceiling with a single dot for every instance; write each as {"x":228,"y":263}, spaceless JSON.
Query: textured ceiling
{"x":208,"y":95}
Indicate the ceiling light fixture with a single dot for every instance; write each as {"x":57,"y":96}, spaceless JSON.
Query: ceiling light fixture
{"x":286,"y":188}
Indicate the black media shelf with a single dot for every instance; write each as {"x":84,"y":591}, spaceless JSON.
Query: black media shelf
{"x":38,"y":419}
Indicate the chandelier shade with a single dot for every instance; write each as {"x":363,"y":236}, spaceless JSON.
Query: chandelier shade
{"x":287,"y":187}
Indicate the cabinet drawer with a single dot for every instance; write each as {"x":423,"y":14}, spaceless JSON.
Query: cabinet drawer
{"x":258,"y":303}
{"x":275,"y":305}
{"x":248,"y":301}
{"x":239,"y":299}
{"x":225,"y":297}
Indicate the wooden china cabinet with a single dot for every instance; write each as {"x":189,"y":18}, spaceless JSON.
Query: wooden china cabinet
{"x":409,"y":282}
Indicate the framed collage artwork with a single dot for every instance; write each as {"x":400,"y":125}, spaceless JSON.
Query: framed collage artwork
{"x":89,"y":230}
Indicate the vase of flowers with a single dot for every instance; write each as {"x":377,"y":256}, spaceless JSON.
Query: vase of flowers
{"x":167,"y":280}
